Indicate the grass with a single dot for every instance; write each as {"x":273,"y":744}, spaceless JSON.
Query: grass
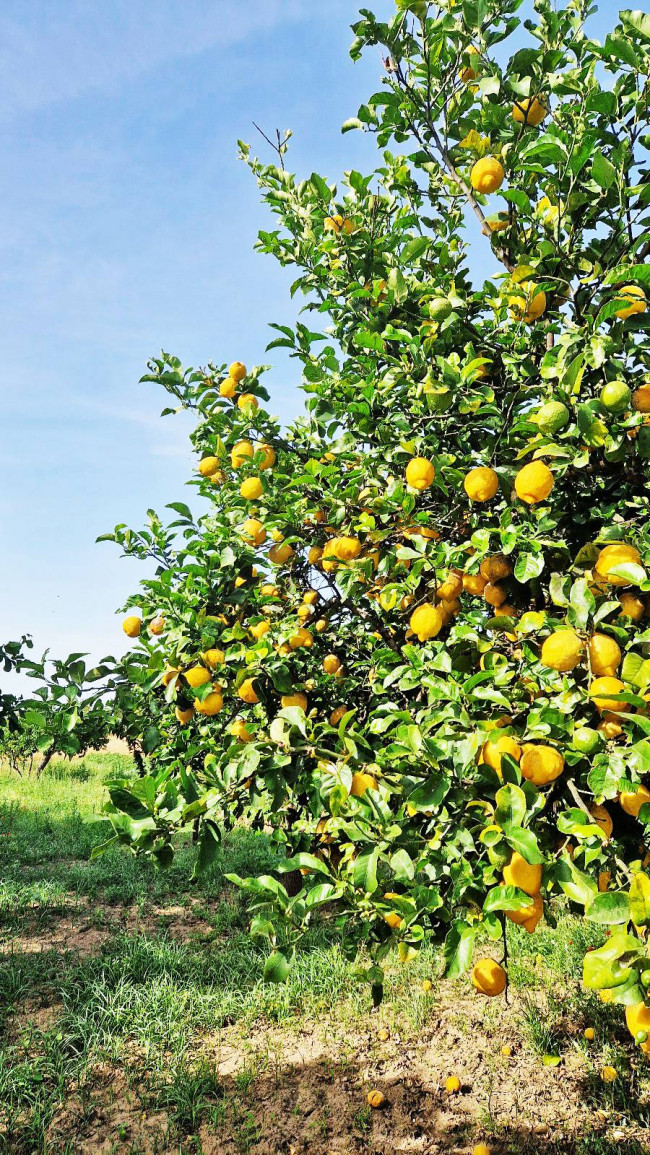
{"x":151,"y":1006}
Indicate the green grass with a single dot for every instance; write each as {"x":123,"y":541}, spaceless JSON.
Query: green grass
{"x":148,"y":994}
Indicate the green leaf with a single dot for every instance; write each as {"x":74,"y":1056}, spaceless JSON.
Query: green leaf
{"x":528,"y":566}
{"x":506,"y":898}
{"x":365,"y":871}
{"x":524,"y":842}
{"x":458,"y":949}
{"x":610,"y":908}
{"x":640,"y":899}
{"x":511,"y":806}
{"x":208,"y":845}
{"x":637,"y":21}
{"x":577,"y":886}
{"x":603,"y":172}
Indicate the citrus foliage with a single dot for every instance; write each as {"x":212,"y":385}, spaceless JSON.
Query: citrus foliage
{"x":410,"y":633}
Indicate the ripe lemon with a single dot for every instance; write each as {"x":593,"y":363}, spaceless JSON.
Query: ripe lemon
{"x":259,"y":630}
{"x":247,"y":692}
{"x":631,"y":606}
{"x":637,"y":301}
{"x":641,"y":398}
{"x":228,"y":387}
{"x":281,"y":554}
{"x":498,"y":223}
{"x":481,"y":483}
{"x":240,"y":452}
{"x":375,"y":1099}
{"x":253,"y":531}
{"x":612,"y":556}
{"x":600,"y":692}
{"x":482,"y":1148}
{"x":528,"y":308}
{"x":294,"y":700}
{"x":360,"y":783}
{"x":209,"y":466}
{"x":169,"y":674}
{"x":495,"y":595}
{"x":495,"y":569}
{"x":419,"y":473}
{"x":302,"y":639}
{"x":132,"y":626}
{"x":474,"y":583}
{"x":561,"y":651}
{"x":213,"y":658}
{"x":529,"y":110}
{"x":522,"y":874}
{"x":331,"y":664}
{"x":197,"y":676}
{"x":248,"y":402}
{"x":541,"y":764}
{"x":251,"y":489}
{"x":534,"y":482}
{"x":451,"y":587}
{"x":489,"y":977}
{"x":609,"y":1074}
{"x":637,"y":1018}
{"x":315,"y":554}
{"x":492,"y":751}
{"x":210,"y":705}
{"x":237,"y":371}
{"x":469,"y":73}
{"x":610,"y":728}
{"x":240,"y":731}
{"x":269,"y":455}
{"x":528,"y":915}
{"x":633,"y":801}
{"x":426,"y":622}
{"x":345,"y":548}
{"x":184,"y":716}
{"x":604,"y":654}
{"x":393,"y":919}
{"x":337,"y":714}
{"x":603,"y":819}
{"x":156,"y":626}
{"x":452,"y":1085}
{"x":487,"y":175}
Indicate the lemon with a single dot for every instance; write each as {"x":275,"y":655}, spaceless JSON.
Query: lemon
{"x":616,"y":396}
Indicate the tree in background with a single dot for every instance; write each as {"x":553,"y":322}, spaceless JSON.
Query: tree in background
{"x":410,"y":634}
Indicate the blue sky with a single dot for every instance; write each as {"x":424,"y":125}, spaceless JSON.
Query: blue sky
{"x":126,"y":225}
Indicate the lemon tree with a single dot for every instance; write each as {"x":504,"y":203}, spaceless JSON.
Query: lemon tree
{"x":408,"y":636}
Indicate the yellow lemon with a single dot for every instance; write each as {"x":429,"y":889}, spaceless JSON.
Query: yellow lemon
{"x":209,"y":466}
{"x":489,"y":977}
{"x":237,"y":371}
{"x":611,"y":557}
{"x":251,"y":489}
{"x":419,"y":473}
{"x":600,"y":692}
{"x":529,"y":110}
{"x":636,"y":297}
{"x":522,"y":874}
{"x":481,"y":483}
{"x":247,"y":692}
{"x":562,"y":651}
{"x":541,"y":764}
{"x":132,"y":626}
{"x":426,"y":622}
{"x":534,"y":482}
{"x":604,"y":654}
{"x":487,"y":175}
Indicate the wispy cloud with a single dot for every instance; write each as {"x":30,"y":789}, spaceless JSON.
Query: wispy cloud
{"x":60,"y":50}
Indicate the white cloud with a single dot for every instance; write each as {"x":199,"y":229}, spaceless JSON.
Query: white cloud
{"x":58,"y":51}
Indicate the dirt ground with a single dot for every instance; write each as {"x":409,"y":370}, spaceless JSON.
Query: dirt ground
{"x":301,"y":1089}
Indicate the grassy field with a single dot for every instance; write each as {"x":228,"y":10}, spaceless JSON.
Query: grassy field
{"x":133,"y":1017}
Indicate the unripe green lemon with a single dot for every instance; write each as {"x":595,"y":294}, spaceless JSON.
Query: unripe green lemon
{"x":586,"y":740}
{"x":439,"y":308}
{"x":616,"y":396}
{"x":551,"y":417}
